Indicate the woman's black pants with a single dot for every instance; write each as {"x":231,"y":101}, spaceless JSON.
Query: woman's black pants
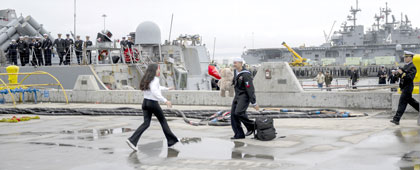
{"x":150,"y":107}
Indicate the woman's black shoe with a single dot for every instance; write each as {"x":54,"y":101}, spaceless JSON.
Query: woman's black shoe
{"x":172,"y":144}
{"x":395,"y":122}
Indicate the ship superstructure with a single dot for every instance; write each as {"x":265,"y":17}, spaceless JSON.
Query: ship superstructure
{"x":382,"y":44}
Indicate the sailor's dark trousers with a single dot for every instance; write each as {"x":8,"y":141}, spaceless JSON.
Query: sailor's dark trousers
{"x":238,"y":115}
{"x":406,"y":98}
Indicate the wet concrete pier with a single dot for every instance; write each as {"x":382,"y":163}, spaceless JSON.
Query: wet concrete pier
{"x":98,"y":142}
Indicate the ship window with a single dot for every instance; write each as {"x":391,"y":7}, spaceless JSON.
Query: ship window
{"x":124,"y":82}
{"x":316,"y":55}
{"x":347,"y":55}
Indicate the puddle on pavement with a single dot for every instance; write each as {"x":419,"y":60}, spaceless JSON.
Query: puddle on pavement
{"x":93,"y":134}
{"x":86,"y":134}
{"x":408,"y":135}
{"x":202,"y":148}
{"x":410,"y":161}
{"x":108,"y":150}
{"x":100,"y":132}
{"x":27,"y":133}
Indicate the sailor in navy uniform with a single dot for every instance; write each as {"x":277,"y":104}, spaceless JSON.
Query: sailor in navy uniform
{"x":38,"y":51}
{"x":23,"y":48}
{"x":60,"y":45}
{"x":12,"y":52}
{"x":407,"y":74}
{"x":69,"y":49}
{"x":87,"y":44}
{"x":78,"y":45}
{"x":244,"y":95}
{"x":46,"y":46}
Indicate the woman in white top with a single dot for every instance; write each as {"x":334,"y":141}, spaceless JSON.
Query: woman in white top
{"x":152,"y":96}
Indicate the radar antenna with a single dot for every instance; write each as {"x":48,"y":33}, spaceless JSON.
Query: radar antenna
{"x":353,"y":12}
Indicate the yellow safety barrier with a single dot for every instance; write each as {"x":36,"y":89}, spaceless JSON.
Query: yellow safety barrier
{"x":13,"y":79}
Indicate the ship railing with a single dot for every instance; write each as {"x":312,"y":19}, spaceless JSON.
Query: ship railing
{"x":351,"y":88}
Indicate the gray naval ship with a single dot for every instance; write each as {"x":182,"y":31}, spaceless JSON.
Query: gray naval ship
{"x":184,"y":61}
{"x":382,"y":44}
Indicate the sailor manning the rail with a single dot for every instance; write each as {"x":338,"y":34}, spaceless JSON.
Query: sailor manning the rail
{"x":23,"y":51}
{"x":46,"y":46}
{"x":407,"y":74}
{"x":60,"y":45}
{"x":244,"y":95}
{"x":87,"y":44}
{"x":69,"y":49}
{"x":78,"y":45}
{"x":12,"y":51}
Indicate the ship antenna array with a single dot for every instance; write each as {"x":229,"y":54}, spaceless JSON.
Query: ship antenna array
{"x":354,"y":11}
{"x":378,"y":19}
{"x":170,"y":29}
{"x":386,"y":11}
{"x":74,"y":19}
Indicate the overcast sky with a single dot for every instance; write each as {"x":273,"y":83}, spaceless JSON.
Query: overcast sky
{"x":232,"y":22}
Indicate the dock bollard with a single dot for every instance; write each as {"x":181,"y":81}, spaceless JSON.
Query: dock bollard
{"x":13,"y":79}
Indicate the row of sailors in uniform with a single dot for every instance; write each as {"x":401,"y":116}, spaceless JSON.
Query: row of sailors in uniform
{"x":42,"y":50}
{"x":126,"y":43}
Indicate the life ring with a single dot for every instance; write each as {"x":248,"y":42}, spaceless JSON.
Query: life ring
{"x":102,"y":54}
{"x":127,"y":55}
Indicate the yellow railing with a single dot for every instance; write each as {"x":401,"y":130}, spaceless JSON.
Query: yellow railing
{"x":13,"y":86}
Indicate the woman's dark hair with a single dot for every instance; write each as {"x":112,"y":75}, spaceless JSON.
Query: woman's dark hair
{"x":148,"y":76}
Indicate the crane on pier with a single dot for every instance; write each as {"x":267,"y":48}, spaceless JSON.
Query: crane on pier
{"x":297,"y":60}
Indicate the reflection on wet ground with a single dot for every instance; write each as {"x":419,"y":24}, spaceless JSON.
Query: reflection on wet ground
{"x":410,"y":160}
{"x":408,"y":135}
{"x":202,"y":148}
{"x":84,"y":134}
{"x":96,"y":132}
{"x":100,"y":132}
{"x":93,"y":134}
{"x":26,"y":133}
{"x":109,"y":150}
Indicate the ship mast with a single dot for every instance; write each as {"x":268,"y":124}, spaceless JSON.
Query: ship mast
{"x":386,"y":11}
{"x":378,"y":19}
{"x":354,"y":11}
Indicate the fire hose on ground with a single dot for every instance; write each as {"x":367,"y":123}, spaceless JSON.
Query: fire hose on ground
{"x":205,"y":117}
